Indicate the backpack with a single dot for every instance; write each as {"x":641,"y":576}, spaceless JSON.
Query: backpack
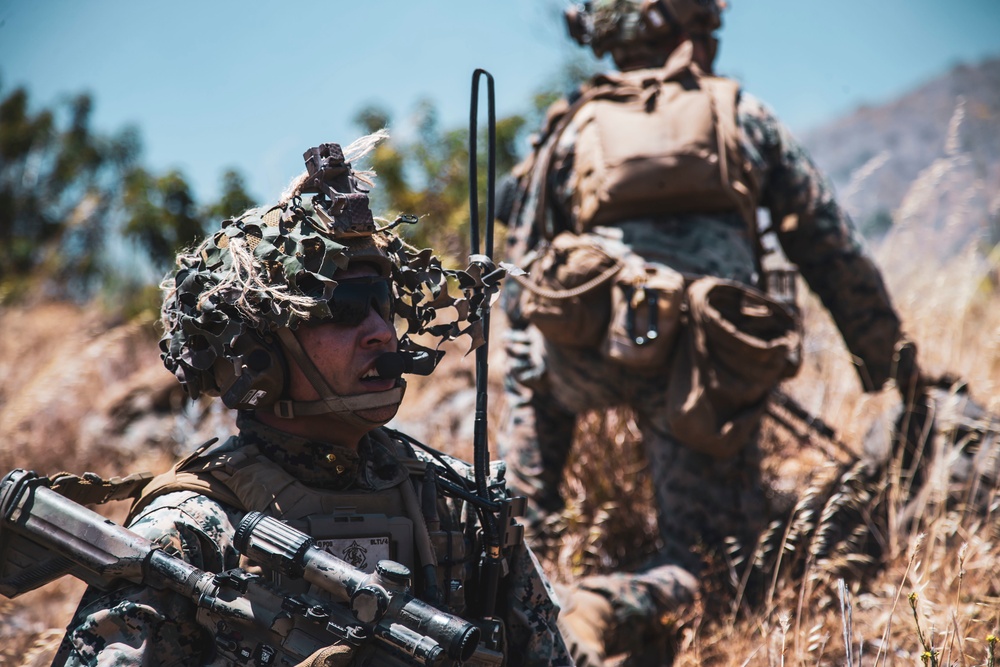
{"x":651,"y":141}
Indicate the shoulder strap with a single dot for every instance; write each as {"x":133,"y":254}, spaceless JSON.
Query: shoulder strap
{"x":92,"y":489}
{"x":191,"y":474}
{"x":539,"y":174}
{"x":742,"y":186}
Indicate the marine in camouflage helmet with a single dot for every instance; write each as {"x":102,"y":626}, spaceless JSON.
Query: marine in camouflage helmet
{"x":302,"y":316}
{"x":598,"y":152}
{"x":643,"y":33}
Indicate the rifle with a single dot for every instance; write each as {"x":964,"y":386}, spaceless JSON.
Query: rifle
{"x":44,"y":535}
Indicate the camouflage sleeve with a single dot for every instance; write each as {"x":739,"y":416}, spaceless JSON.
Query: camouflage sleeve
{"x":819,"y":237}
{"x":138,"y":625}
{"x":533,"y":639}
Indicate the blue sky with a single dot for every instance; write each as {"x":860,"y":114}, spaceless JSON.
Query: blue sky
{"x":252,"y":84}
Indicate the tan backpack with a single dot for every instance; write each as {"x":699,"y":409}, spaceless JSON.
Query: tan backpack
{"x":653,"y":141}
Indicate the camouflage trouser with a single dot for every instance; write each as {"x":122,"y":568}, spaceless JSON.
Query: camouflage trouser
{"x":703,"y":504}
{"x":626,"y":611}
{"x":702,"y":501}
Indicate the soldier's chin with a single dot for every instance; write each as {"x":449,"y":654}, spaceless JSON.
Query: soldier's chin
{"x":380,"y":415}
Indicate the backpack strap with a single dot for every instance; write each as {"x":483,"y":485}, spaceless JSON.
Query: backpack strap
{"x":92,"y":489}
{"x":742,"y":187}
{"x":539,"y":174}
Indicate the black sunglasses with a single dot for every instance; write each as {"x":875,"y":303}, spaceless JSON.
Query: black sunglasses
{"x":353,"y":299}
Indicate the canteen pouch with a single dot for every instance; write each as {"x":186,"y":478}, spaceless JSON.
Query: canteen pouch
{"x":738,"y":346}
{"x":646,"y":303}
{"x":567,"y":292}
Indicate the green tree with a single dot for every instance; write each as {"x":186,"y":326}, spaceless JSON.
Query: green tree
{"x":429,"y":176}
{"x":162,"y":216}
{"x":234,"y":199}
{"x":58,"y":184}
{"x":75,"y":205}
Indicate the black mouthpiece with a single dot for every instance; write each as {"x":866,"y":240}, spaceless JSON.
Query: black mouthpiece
{"x":392,"y":364}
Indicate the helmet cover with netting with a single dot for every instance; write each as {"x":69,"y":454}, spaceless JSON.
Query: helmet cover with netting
{"x":274,"y":268}
{"x":610,"y":26}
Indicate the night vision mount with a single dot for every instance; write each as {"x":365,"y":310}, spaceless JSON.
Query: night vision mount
{"x":341,"y":201}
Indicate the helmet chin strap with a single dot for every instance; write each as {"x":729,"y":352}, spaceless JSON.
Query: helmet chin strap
{"x":344,"y":406}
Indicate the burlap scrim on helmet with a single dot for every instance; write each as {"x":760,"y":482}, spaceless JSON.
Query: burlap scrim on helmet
{"x":275,"y":268}
{"x":633,"y":24}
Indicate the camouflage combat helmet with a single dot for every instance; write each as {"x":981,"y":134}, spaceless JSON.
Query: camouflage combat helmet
{"x":640,"y":30}
{"x":229,"y":310}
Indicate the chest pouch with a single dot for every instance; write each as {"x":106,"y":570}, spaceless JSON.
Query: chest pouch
{"x":567,"y":292}
{"x":646,"y":303}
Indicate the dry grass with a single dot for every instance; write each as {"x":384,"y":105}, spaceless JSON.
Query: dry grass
{"x":946,"y":558}
{"x":80,"y":394}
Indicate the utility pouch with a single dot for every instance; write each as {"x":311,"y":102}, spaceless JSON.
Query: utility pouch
{"x":567,"y":292}
{"x":646,"y":302}
{"x":738,"y":345}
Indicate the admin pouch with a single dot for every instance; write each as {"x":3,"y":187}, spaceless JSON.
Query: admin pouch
{"x":567,"y":292}
{"x":646,"y":303}
{"x":737,"y":346}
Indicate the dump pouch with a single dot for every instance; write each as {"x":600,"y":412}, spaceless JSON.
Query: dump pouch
{"x":646,"y":303}
{"x":567,"y":292}
{"x":738,"y":345}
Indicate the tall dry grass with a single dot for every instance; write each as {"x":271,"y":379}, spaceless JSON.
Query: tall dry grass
{"x":81,"y":393}
{"x":52,"y":419}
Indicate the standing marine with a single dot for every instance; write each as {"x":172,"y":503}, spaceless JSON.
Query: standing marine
{"x":636,"y":217}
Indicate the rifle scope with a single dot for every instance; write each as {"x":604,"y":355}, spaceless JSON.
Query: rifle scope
{"x":381,"y":599}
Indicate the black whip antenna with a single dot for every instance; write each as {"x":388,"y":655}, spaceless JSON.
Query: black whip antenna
{"x":492,"y":535}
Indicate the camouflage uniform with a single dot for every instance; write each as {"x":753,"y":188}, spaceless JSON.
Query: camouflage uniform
{"x":702,"y":501}
{"x":140,"y":625}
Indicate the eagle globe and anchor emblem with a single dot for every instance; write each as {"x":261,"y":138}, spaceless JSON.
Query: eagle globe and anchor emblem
{"x":356,"y":555}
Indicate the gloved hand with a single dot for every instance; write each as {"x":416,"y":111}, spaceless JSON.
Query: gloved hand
{"x":583,"y":622}
{"x":338,"y":655}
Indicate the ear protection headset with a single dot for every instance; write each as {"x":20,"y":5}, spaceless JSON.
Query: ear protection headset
{"x":255,"y":375}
